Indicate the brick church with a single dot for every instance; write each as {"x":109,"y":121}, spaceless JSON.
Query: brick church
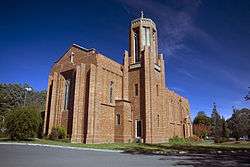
{"x":98,"y":100}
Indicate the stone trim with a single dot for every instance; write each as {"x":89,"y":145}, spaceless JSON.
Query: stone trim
{"x":136,"y":65}
{"x":109,"y":105}
{"x":157,"y":68}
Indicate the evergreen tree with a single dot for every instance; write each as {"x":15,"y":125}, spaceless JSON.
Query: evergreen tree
{"x":225,"y":130}
{"x":202,"y":118}
{"x":216,"y":122}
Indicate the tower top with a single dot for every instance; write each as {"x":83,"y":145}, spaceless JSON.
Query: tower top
{"x":143,"y":19}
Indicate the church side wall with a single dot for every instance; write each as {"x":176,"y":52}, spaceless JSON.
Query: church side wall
{"x":103,"y":110}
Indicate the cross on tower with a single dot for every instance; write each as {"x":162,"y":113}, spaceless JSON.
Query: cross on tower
{"x":142,"y":14}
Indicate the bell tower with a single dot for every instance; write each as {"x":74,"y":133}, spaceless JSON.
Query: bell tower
{"x":146,"y":78}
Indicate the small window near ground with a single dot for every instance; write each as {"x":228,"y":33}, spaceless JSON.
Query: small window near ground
{"x":118,"y":119}
{"x":158,"y":120}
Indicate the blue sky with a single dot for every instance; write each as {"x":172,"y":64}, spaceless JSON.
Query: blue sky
{"x":206,"y":44}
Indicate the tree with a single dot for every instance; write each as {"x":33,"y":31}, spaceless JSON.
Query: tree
{"x":2,"y":124}
{"x":202,"y":125}
{"x":11,"y":95}
{"x":225,"y":130}
{"x":201,"y":130}
{"x":202,"y":118}
{"x":16,"y":95}
{"x":239,"y":123}
{"x":216,"y":122}
{"x":23,"y":123}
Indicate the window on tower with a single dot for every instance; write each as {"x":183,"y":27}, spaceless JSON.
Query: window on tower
{"x":136,"y":46}
{"x":154,"y":35}
{"x":145,"y":36}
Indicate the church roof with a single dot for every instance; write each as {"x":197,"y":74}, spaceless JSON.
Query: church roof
{"x":76,"y":46}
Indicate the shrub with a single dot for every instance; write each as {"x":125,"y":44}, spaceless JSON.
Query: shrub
{"x":2,"y":135}
{"x":137,"y":140}
{"x":22,"y":123}
{"x":57,"y":133}
{"x":177,"y":141}
{"x":2,"y":127}
{"x":40,"y":129}
{"x":201,"y":130}
{"x":220,"y":139}
{"x":184,"y":141}
{"x":194,"y":138}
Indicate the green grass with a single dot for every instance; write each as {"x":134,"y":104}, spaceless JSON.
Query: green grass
{"x":199,"y":147}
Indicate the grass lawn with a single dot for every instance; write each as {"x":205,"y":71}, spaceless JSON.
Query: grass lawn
{"x":164,"y":148}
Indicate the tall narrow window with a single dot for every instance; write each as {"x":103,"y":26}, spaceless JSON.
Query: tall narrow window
{"x":66,"y":94}
{"x":136,"y":90}
{"x":111,"y":92}
{"x":145,"y":36}
{"x":118,"y":119}
{"x":136,"y":46}
{"x":154,"y":33}
{"x":157,"y":90}
{"x":158,"y":120}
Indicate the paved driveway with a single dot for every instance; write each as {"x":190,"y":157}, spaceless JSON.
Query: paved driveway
{"x":41,"y":156}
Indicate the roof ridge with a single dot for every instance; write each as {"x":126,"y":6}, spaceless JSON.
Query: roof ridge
{"x":82,"y":48}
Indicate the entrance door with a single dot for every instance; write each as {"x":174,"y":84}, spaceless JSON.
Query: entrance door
{"x":138,"y":128}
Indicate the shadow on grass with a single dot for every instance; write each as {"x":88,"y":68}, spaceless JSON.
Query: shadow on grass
{"x":240,"y":159}
{"x":200,"y":148}
{"x":142,"y":150}
{"x":10,"y":140}
{"x":196,"y":156}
